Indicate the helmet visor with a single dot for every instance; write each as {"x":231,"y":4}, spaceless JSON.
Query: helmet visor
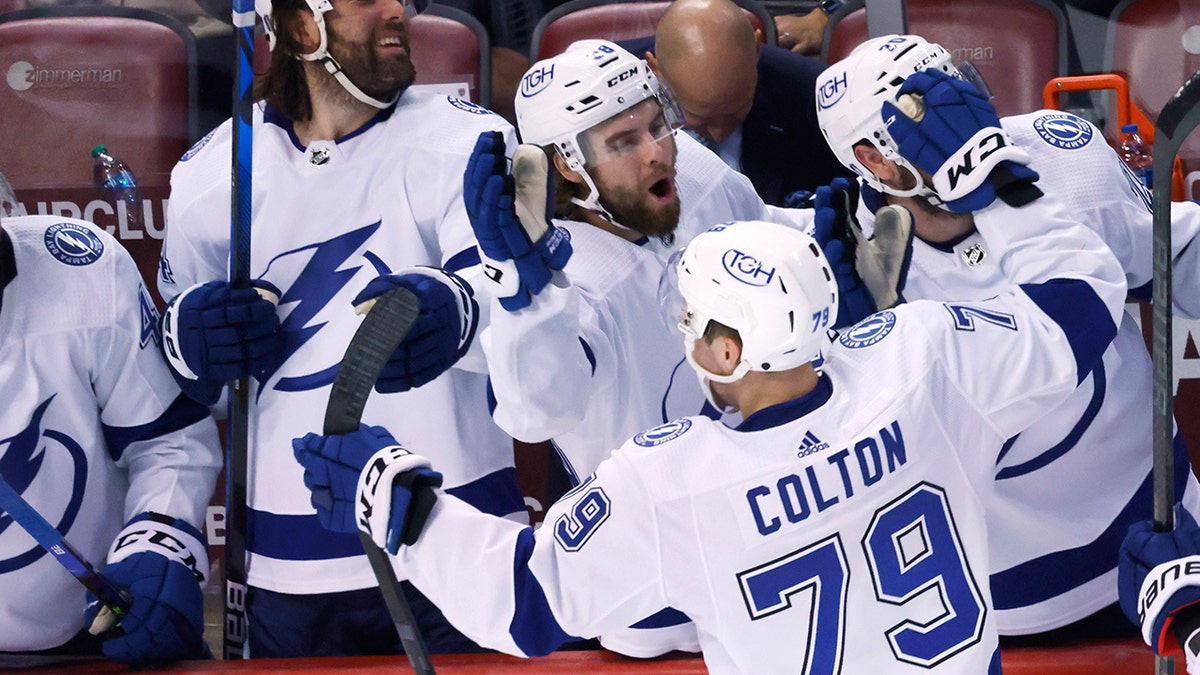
{"x":629,"y":132}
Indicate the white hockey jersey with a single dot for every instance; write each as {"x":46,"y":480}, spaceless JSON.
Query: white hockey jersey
{"x":841,"y":532}
{"x":327,"y":219}
{"x":93,"y":430}
{"x":1069,"y":486}
{"x":618,"y":365}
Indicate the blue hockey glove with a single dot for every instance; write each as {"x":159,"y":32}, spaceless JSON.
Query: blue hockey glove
{"x":511,"y":216}
{"x":346,"y":474}
{"x":952,"y":132}
{"x":870,"y":271}
{"x":834,"y":209}
{"x":1158,"y":579}
{"x":162,"y":562}
{"x":440,"y":336}
{"x":214,"y":333}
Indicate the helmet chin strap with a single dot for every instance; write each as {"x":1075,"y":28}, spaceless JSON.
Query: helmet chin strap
{"x":334,"y":68}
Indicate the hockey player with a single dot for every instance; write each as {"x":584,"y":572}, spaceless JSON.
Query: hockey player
{"x":355,"y":175}
{"x":96,"y":437}
{"x":628,"y":192}
{"x":838,"y":528}
{"x":1068,"y":487}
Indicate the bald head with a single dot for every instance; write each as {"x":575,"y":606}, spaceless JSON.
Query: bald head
{"x":707,"y":52}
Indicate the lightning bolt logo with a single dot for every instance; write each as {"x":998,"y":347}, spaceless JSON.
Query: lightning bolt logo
{"x":322,"y":278}
{"x":73,"y":244}
{"x":20,"y":465}
{"x":23,"y":459}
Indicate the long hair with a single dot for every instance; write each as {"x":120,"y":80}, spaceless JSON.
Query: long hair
{"x":283,"y":86}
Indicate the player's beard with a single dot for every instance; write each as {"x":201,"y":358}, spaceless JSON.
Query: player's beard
{"x":378,"y":78}
{"x":632,"y":208}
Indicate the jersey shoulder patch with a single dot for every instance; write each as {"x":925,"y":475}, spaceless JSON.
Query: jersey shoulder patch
{"x":198,"y":146}
{"x":473,"y":108}
{"x":73,"y":243}
{"x":663,"y":433}
{"x":869,"y":331}
{"x":1063,"y":130}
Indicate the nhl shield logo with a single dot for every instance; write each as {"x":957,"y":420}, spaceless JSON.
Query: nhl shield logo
{"x":974,"y":255}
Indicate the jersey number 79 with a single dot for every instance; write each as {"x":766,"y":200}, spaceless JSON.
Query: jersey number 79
{"x":911,"y":547}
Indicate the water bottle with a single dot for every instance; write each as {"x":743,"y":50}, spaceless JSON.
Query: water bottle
{"x":1135,"y":152}
{"x":114,"y":176}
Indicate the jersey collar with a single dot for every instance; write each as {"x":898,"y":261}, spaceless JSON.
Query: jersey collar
{"x":274,"y":116}
{"x":782,"y":413}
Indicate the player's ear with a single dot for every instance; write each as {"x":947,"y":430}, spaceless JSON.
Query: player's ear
{"x":561,"y":165}
{"x":870,"y":156}
{"x":302,"y":28}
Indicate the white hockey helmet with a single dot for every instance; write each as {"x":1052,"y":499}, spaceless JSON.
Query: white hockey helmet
{"x":769,"y":282}
{"x":264,"y":8}
{"x":851,"y":92}
{"x":562,"y":97}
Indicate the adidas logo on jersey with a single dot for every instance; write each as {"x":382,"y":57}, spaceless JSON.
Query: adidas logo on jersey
{"x":811,"y":444}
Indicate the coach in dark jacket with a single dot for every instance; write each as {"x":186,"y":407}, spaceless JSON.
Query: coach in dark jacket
{"x":753,"y":104}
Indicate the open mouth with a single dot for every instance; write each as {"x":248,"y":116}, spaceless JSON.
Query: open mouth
{"x":663,"y":190}
{"x":393,"y":42}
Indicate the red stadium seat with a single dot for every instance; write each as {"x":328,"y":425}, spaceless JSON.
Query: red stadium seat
{"x":1017,"y":45}
{"x":1146,"y":44}
{"x":616,"y":20}
{"x":450,"y":46}
{"x":83,"y":76}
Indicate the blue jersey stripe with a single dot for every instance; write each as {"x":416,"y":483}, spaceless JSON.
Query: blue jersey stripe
{"x":1080,"y":313}
{"x":1099,"y":388}
{"x":302,"y":537}
{"x":468,"y":257}
{"x":182,"y":413}
{"x":533,"y":628}
{"x":664,"y":618}
{"x":1056,"y":573}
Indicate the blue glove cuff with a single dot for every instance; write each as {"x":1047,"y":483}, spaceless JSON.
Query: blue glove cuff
{"x":172,"y":538}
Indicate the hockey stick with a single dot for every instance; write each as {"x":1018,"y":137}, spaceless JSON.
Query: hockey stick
{"x":382,"y":330}
{"x":115,"y":600}
{"x":237,"y":449}
{"x":1178,"y":118}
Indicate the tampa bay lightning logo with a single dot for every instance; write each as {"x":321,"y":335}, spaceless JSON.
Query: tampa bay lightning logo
{"x":323,"y":276}
{"x":73,"y":244}
{"x":663,"y":433}
{"x":1063,"y":130}
{"x":468,"y":106}
{"x":868,"y":331}
{"x":21,"y":458}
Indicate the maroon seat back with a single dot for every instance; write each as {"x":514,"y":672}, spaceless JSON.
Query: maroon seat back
{"x":1018,"y":45}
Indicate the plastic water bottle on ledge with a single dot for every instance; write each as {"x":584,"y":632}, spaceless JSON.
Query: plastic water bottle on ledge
{"x":1135,"y":152}
{"x":114,"y":176}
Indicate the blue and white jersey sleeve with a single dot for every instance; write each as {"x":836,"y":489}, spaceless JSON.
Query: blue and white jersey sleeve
{"x":1045,"y":337}
{"x":1080,"y":169}
{"x":592,"y":567}
{"x":196,"y":246}
{"x":165,"y":441}
{"x":542,"y":362}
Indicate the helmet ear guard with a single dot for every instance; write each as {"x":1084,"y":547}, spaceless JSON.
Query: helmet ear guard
{"x":850,"y":96}
{"x":593,"y":81}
